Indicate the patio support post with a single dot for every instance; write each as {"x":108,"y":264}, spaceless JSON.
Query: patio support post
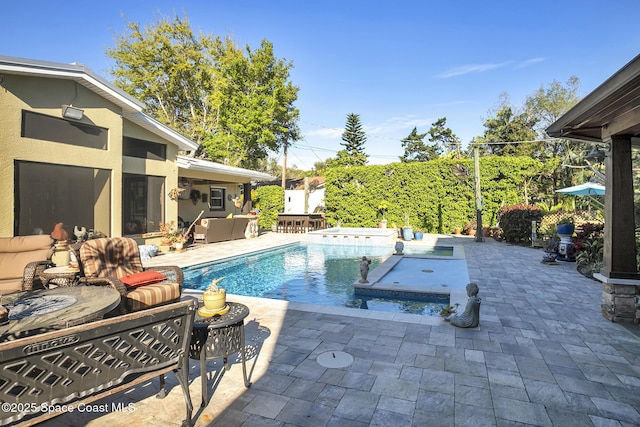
{"x":619,"y":258}
{"x":248,"y":203}
{"x":619,"y":274}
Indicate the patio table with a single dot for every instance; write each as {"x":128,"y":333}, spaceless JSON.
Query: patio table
{"x":218,"y":337}
{"x":39,"y":311}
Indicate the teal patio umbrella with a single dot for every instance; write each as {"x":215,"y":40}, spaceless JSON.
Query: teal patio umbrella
{"x":586,"y":189}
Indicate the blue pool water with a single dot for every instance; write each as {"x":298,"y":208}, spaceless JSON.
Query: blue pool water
{"x":318,"y":274}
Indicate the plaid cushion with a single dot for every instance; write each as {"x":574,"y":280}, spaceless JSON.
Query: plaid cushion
{"x":110,"y":257}
{"x":152,"y":295}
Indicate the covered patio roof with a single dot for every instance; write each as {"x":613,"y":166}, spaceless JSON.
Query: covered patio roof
{"x":611,"y":114}
{"x":191,"y":167}
{"x":611,"y":109}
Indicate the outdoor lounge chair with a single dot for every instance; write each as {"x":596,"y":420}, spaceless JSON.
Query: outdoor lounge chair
{"x":116,"y":262}
{"x":21,"y":260}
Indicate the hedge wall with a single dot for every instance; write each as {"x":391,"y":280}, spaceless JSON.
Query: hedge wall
{"x":269,"y":200}
{"x":436,"y":199}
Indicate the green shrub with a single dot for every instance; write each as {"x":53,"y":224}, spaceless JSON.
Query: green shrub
{"x":515,"y":222}
{"x":270,"y":202}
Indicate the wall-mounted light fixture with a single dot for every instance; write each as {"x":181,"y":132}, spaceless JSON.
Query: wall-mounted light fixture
{"x":598,"y":153}
{"x":71,"y":112}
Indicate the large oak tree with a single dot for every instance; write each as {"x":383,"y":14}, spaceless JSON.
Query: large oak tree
{"x":237,"y":103}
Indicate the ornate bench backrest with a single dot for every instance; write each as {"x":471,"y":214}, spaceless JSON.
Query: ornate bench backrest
{"x":63,"y":367}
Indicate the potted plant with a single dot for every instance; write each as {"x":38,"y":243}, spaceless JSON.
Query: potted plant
{"x":214,"y":297}
{"x":449,"y":310}
{"x":166,"y":228}
{"x":179,"y":239}
{"x":565,"y":227}
{"x":407,"y":231}
{"x":382,"y":210}
{"x":418,"y":234}
{"x":470,"y":228}
{"x":195,"y":195}
{"x":550,"y":247}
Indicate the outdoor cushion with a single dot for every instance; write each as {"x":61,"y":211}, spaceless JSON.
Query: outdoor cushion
{"x":17,"y":252}
{"x":152,"y":295}
{"x":110,"y":257}
{"x":143,"y":278}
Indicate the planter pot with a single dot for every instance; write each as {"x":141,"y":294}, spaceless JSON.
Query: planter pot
{"x":164,"y":249}
{"x":179,"y":246}
{"x":418,"y":235}
{"x":214,"y":301}
{"x":407,"y":233}
{"x":457,"y":230}
{"x":565,"y":229}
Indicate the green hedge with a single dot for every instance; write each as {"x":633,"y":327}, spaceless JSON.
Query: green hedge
{"x":270,"y":201}
{"x":438,"y":195}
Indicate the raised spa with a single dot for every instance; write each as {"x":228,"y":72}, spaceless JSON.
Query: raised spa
{"x":354,"y":236}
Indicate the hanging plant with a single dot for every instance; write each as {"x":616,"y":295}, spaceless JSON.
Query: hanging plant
{"x":174,"y":193}
{"x":195,"y":196}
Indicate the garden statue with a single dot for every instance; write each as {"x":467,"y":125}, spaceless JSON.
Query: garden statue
{"x":364,"y":269}
{"x":399,"y":248}
{"x":470,"y":318}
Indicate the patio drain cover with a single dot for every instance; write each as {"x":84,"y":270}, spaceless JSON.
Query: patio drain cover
{"x":335,"y":359}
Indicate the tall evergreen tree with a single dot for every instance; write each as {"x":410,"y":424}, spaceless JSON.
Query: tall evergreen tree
{"x":415,"y":149}
{"x":354,"y":138}
{"x":443,"y":138}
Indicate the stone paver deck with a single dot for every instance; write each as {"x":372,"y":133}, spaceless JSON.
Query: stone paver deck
{"x":543,"y":355}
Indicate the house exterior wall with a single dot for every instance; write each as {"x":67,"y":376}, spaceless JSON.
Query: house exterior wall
{"x":294,"y":200}
{"x":45,"y":96}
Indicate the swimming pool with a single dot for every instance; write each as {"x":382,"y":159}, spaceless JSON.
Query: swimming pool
{"x":318,"y":274}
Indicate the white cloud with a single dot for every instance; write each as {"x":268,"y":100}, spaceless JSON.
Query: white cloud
{"x":471,"y":68}
{"x":325,"y":132}
{"x":530,"y":62}
{"x":481,"y":68}
{"x":397,"y":123}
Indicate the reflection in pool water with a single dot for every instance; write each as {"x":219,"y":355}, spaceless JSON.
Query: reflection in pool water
{"x":318,"y":274}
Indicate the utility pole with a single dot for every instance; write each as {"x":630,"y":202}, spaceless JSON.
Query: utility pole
{"x":284,"y":163}
{"x":476,"y":178}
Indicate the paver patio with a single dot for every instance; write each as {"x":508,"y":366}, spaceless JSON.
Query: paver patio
{"x":543,"y":355}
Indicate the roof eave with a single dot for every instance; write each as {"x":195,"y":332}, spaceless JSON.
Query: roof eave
{"x":201,"y":165}
{"x":578,"y":122}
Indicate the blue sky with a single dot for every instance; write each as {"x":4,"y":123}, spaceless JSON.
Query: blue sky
{"x":398,"y":64}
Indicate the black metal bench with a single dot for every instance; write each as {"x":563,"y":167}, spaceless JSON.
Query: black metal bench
{"x":81,"y":364}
